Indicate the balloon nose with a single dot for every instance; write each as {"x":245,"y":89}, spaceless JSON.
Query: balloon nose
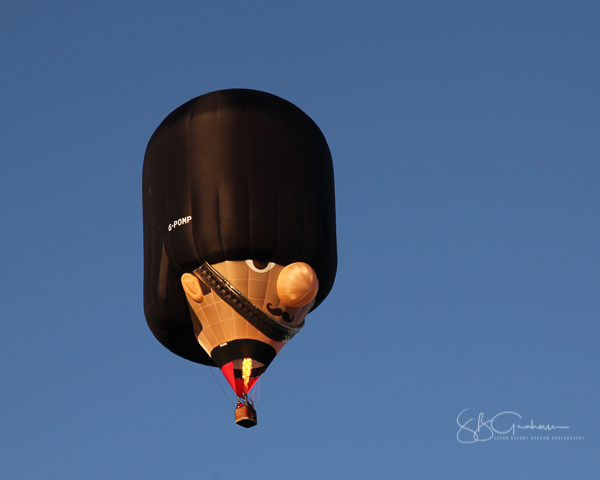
{"x":297,"y":285}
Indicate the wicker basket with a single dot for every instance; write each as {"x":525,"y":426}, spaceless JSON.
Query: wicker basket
{"x":245,"y":415}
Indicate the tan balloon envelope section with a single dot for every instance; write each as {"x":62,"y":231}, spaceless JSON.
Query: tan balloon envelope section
{"x":216,"y":323}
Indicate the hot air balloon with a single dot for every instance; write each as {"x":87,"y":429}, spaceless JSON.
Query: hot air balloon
{"x":239,"y":232}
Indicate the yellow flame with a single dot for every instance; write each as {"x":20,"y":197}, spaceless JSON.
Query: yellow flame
{"x":246,"y":370}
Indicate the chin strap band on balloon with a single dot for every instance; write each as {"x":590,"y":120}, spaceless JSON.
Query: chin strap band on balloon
{"x":241,"y":304}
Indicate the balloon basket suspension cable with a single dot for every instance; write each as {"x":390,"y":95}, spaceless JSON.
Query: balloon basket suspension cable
{"x":256,"y":391}
{"x":217,"y":382}
{"x":245,"y":414}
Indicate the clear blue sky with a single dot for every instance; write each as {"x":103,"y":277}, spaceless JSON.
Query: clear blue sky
{"x":465,"y":139}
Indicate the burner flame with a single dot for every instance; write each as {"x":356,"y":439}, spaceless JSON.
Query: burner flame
{"x":246,"y":371}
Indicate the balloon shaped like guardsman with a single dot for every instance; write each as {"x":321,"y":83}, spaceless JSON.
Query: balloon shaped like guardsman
{"x":239,"y":231}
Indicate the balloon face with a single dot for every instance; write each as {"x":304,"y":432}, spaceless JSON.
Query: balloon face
{"x":239,"y":229}
{"x":227,"y":335}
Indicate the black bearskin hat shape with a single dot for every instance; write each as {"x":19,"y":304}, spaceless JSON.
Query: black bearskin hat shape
{"x":232,"y":175}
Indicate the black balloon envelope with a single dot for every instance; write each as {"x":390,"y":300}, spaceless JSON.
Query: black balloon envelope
{"x":239,"y":230}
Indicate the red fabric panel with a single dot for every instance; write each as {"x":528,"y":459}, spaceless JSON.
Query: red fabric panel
{"x":237,"y":383}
